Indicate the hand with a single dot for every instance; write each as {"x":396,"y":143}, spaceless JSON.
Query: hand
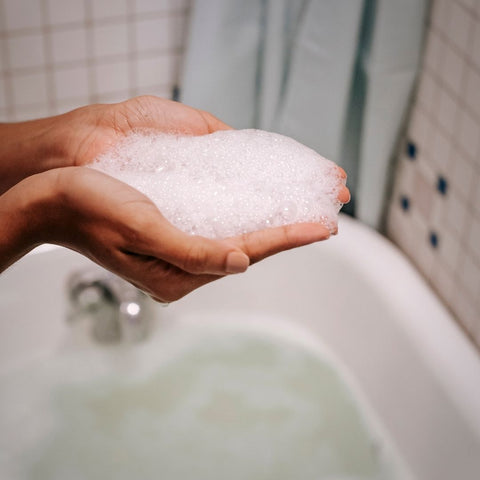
{"x":78,"y":137}
{"x":106,"y":220}
{"x":122,"y":230}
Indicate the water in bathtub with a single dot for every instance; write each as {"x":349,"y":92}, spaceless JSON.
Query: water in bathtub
{"x":247,"y":398}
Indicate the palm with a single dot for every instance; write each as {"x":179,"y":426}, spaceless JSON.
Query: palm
{"x":102,"y":126}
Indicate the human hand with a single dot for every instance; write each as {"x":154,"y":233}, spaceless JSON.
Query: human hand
{"x":76,"y":138}
{"x":106,"y":220}
{"x":122,"y":230}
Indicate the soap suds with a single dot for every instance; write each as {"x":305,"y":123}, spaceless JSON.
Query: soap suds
{"x":229,"y":182}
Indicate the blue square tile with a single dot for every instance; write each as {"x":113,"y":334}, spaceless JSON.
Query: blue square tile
{"x":411,"y":150}
{"x":405,"y":203}
{"x":442,"y":185}
{"x":434,"y":239}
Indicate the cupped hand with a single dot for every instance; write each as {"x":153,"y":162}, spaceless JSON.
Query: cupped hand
{"x":95,"y":128}
{"x":122,"y":230}
{"x":49,"y":197}
{"x":76,"y":138}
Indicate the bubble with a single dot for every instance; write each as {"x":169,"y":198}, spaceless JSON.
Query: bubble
{"x":229,"y":182}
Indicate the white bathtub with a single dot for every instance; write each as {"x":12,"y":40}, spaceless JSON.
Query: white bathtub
{"x":355,"y":292}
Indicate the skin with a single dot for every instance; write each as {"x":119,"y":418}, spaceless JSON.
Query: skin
{"x":47,"y":197}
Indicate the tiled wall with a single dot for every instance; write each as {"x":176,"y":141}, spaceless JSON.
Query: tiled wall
{"x":435,"y":211}
{"x":56,"y":55}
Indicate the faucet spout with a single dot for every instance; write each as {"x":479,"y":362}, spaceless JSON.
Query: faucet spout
{"x":118,"y":311}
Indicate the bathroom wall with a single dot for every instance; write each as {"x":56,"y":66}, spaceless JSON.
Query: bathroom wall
{"x":56,"y":55}
{"x":434,"y":214}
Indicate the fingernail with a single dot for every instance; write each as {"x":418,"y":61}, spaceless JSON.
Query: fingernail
{"x":237,"y":262}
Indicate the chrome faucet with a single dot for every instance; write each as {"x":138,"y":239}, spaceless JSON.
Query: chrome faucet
{"x":118,"y":311}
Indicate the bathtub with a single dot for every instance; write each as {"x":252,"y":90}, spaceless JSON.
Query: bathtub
{"x":355,"y":293}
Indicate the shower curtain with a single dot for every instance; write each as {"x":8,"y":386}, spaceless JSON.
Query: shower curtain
{"x":335,"y":75}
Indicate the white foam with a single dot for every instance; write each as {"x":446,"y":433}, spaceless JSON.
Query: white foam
{"x":229,"y":182}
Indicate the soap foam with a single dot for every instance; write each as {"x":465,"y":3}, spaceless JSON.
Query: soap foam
{"x":229,"y":182}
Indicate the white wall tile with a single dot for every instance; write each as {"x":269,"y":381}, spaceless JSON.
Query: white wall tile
{"x":420,"y":131}
{"x":71,"y":104}
{"x":398,"y":227}
{"x":465,"y":308}
{"x":472,"y":92}
{"x":475,"y":52}
{"x":470,"y":276}
{"x":440,"y":151}
{"x":461,"y":175}
{"x":407,"y":173}
{"x":154,"y":71}
{"x":110,"y":40}
{"x":152,"y":34}
{"x":163,"y":91}
{"x":112,"y":77}
{"x":421,"y":251}
{"x":71,"y":83}
{"x":65,"y":11}
{"x":426,"y":92}
{"x":441,"y":14}
{"x":476,"y":193}
{"x":456,"y":214}
{"x":151,"y":6}
{"x":449,"y":250}
{"x":21,"y":14}
{"x":31,"y":112}
{"x":109,"y":8}
{"x":30,"y":89}
{"x":470,"y":4}
{"x":474,"y":237}
{"x":180,"y":5}
{"x":447,"y":111}
{"x":114,"y":97}
{"x":69,"y":45}
{"x":443,"y":281}
{"x":452,"y":70}
{"x":434,"y":51}
{"x":26,"y":51}
{"x":469,"y":134}
{"x":459,"y":27}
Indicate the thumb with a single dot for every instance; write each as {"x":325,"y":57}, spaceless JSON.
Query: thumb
{"x":193,"y":254}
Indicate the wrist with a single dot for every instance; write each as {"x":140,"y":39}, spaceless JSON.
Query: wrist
{"x":31,"y":147}
{"x":26,"y":212}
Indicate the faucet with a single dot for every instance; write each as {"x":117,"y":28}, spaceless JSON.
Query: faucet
{"x":118,"y":311}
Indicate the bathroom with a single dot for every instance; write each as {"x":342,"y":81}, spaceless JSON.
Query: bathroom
{"x":57,"y":55}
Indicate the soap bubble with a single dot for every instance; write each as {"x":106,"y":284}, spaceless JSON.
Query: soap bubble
{"x":229,"y":182}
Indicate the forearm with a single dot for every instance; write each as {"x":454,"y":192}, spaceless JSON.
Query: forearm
{"x":31,"y":147}
{"x":24,"y":217}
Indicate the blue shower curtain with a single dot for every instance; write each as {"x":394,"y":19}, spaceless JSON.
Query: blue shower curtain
{"x":334,"y":74}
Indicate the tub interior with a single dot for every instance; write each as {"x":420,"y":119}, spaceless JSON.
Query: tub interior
{"x":205,"y":399}
{"x":335,"y":296}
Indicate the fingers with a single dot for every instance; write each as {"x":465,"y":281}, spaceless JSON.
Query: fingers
{"x":264,"y":243}
{"x":162,"y":281}
{"x":213,"y":123}
{"x":342,"y":173}
{"x":172,"y":277}
{"x":344,"y":195}
{"x":193,"y":254}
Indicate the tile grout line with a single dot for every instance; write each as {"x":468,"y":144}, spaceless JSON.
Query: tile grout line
{"x":6,"y":74}
{"x":48,"y":66}
{"x":90,"y":51}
